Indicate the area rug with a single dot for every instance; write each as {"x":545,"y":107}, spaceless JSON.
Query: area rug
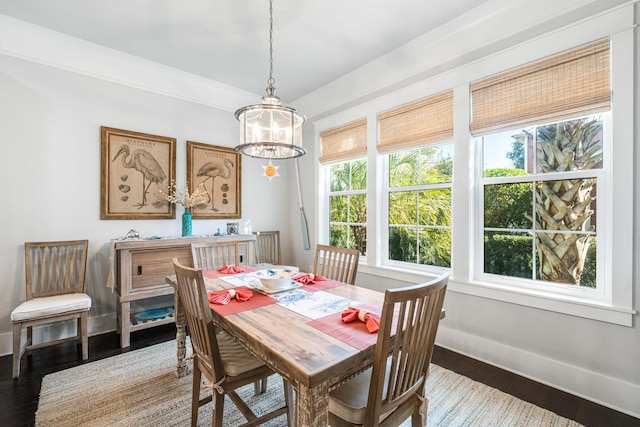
{"x":140,"y":389}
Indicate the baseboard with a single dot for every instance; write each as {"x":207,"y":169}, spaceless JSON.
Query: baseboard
{"x":97,"y":325}
{"x":611,"y":392}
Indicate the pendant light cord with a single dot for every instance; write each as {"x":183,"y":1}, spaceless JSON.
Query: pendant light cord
{"x":271,"y":80}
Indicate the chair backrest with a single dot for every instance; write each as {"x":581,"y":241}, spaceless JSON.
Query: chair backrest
{"x":209,"y":256}
{"x":268,"y":247}
{"x":336,"y":263}
{"x":401,"y":364}
{"x":193,"y":296}
{"x":55,"y":268}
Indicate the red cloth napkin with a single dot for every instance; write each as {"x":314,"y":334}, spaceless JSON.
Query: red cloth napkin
{"x":230,"y":269}
{"x":371,"y":320}
{"x":224,"y":297}
{"x":309,"y":279}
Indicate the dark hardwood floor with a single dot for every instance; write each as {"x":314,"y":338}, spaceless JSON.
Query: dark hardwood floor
{"x":19,"y":398}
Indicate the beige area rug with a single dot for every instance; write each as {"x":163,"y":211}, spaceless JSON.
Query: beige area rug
{"x":140,"y":389}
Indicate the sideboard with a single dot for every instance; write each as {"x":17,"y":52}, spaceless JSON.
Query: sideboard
{"x":141,"y":266}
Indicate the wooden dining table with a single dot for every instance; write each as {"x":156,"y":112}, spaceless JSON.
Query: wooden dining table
{"x":315,"y":356}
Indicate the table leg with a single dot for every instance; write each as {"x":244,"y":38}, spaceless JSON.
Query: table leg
{"x":312,"y":406}
{"x":182,"y":368}
{"x":125,"y":324}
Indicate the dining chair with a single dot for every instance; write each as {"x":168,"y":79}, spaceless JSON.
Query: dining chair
{"x":225,"y":364}
{"x":55,"y":279}
{"x":210,"y":256}
{"x":335,"y":263}
{"x":394,"y":387}
{"x":268,"y":247}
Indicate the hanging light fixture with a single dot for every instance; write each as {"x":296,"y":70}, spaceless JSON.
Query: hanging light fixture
{"x":270,"y":130}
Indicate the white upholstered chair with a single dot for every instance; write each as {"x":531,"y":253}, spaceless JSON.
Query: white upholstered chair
{"x":394,"y":388}
{"x":55,"y":278}
{"x":225,"y":364}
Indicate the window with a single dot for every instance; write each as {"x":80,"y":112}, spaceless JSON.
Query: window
{"x":419,"y":205}
{"x":539,"y":201}
{"x":348,"y":205}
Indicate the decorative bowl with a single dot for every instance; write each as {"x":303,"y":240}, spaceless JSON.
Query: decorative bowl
{"x":276,"y":278}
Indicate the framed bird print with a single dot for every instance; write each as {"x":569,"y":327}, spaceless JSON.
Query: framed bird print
{"x":135,"y":168}
{"x":219,"y":171}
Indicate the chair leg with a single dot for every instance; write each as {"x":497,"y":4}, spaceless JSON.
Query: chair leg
{"x":218,"y":405}
{"x":17,"y":348}
{"x":82,"y":331}
{"x":288,"y":399}
{"x":195,"y":393}
{"x":260,"y":386}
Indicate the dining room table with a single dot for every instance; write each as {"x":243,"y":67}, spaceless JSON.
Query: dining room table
{"x":298,"y":332}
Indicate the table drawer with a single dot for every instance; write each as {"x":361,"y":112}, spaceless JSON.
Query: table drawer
{"x":150,"y":267}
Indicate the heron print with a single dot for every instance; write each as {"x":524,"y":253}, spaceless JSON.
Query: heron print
{"x":211,"y":170}
{"x":146,"y":164}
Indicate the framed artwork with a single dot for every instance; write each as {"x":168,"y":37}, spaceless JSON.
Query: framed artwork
{"x":219,"y":169}
{"x":135,"y":167}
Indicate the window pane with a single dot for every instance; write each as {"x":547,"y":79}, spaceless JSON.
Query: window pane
{"x":508,"y":153}
{"x":358,"y":208}
{"x":358,"y":238}
{"x":508,"y":254}
{"x":338,"y":235}
{"x":340,"y":176}
{"x":569,"y":146}
{"x":567,"y":204}
{"x":508,"y":205}
{"x":436,"y":164}
{"x":359,"y":175}
{"x":403,"y":168}
{"x":435,"y":247}
{"x":338,"y":208}
{"x":402,"y":208}
{"x":435,"y":207}
{"x":402,"y":244}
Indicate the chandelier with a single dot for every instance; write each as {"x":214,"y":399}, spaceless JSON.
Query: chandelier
{"x":270,"y":130}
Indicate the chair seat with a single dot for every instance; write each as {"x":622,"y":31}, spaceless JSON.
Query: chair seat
{"x":236,"y":359}
{"x":50,"y":306}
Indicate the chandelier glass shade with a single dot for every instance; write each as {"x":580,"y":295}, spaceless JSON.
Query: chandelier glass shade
{"x":270,"y":130}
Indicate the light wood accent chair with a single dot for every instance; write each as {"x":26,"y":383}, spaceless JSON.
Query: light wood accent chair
{"x":394,"y":388}
{"x":225,"y":364}
{"x":209,"y":256}
{"x":336,"y":263}
{"x":55,"y":275}
{"x":268,"y":247}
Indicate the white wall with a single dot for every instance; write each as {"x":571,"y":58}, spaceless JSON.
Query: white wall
{"x":50,"y":170}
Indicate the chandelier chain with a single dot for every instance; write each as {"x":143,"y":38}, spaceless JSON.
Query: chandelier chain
{"x":271,"y":80}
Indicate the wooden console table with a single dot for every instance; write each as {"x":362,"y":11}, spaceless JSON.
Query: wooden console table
{"x":141,"y":266}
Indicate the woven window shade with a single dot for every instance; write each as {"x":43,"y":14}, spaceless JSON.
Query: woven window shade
{"x":426,"y":121}
{"x":345,"y":142}
{"x":568,"y":84}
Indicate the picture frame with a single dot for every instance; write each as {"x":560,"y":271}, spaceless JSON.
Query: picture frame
{"x":135,"y":167}
{"x":220,"y":170}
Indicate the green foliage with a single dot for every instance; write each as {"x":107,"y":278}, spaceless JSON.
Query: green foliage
{"x":508,"y":255}
{"x":507,"y":205}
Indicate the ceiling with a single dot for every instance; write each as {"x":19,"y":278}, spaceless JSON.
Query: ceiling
{"x":315,"y":41}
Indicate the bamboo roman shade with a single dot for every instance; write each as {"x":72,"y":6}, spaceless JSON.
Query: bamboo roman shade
{"x":568,"y":84}
{"x":345,"y":142}
{"x":426,"y":121}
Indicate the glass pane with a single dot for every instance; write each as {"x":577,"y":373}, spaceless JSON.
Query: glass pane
{"x":402,"y":207}
{"x":435,"y":207}
{"x":402,"y":244}
{"x":508,"y":254}
{"x":358,"y":208}
{"x":338,"y":235}
{"x":435,"y":247}
{"x":340,"y":177}
{"x":359,"y":175}
{"x":403,"y":168}
{"x":358,"y":238}
{"x":508,"y":205}
{"x":561,"y":258}
{"x":588,"y":278}
{"x":508,"y":153}
{"x":569,"y":146}
{"x":338,"y":208}
{"x":567,"y":204}
{"x":436,"y":164}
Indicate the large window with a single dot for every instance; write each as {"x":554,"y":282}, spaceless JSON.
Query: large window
{"x":539,"y":201}
{"x":348,"y":205}
{"x":419,"y":205}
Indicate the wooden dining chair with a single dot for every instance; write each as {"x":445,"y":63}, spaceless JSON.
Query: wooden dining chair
{"x":335,"y":263}
{"x":210,"y":256}
{"x":225,"y":364}
{"x":268,"y":247}
{"x":55,"y":277}
{"x":394,"y":387}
